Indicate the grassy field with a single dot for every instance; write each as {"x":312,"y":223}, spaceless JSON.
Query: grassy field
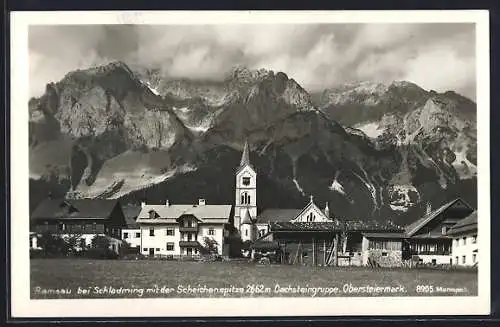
{"x":80,"y":278}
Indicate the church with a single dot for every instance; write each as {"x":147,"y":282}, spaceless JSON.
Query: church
{"x":314,"y":236}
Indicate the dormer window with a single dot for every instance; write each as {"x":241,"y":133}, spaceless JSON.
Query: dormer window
{"x":246,"y":181}
{"x":152,"y":214}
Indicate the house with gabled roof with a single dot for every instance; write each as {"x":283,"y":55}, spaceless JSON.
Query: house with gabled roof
{"x":79,"y":218}
{"x":174,"y":230}
{"x":427,"y":240}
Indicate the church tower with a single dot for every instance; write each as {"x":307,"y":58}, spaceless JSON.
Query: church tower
{"x":246,"y":190}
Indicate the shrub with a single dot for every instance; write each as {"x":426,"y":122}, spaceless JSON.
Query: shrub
{"x":98,"y":253}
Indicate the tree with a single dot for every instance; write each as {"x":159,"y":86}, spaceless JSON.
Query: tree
{"x":210,"y":246}
{"x":73,"y":242}
{"x":100,"y":242}
{"x":53,"y":245}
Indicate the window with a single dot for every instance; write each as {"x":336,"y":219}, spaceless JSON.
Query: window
{"x":444,"y":230}
{"x":125,"y":235}
{"x":83,"y":243}
{"x":151,"y":232}
{"x":474,"y":258}
{"x":211,"y":231}
{"x":83,"y":227}
{"x":464,"y":240}
{"x":246,"y":181}
{"x":457,"y":242}
{"x":190,"y":223}
{"x":463,"y":259}
{"x":137,"y":235}
{"x":245,"y":198}
{"x":62,"y":226}
{"x":170,"y":246}
{"x":311,"y":217}
{"x":189,"y":236}
{"x":94,"y":226}
{"x":145,"y":249}
{"x":246,"y":232}
{"x":456,"y":260}
{"x":474,"y":239}
{"x":384,"y":254}
{"x":157,"y":249}
{"x":434,"y":262}
{"x":195,"y":251}
{"x":170,"y":232}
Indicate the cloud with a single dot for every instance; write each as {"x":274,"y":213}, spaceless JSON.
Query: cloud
{"x":318,"y":56}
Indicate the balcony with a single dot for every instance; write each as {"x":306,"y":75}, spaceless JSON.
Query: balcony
{"x":191,"y":244}
{"x":188,"y":229}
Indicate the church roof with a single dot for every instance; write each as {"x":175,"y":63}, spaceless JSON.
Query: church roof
{"x":245,"y":157}
{"x":246,"y":218}
{"x":272,"y":215}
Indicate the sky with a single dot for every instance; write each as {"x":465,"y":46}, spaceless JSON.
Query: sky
{"x":438,"y":56}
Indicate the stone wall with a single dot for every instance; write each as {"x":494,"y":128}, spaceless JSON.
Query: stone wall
{"x":385,"y":258}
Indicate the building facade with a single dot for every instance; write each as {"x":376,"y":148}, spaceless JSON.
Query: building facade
{"x":176,"y":230}
{"x":465,"y":244}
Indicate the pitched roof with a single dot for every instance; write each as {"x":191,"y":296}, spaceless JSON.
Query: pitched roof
{"x":216,"y":213}
{"x":349,"y":225}
{"x":385,"y":235}
{"x":417,"y":225}
{"x":276,"y":215}
{"x":246,"y":218}
{"x":74,"y":209}
{"x":245,"y":156}
{"x":467,"y":224}
{"x":131,"y":212}
{"x":312,"y":204}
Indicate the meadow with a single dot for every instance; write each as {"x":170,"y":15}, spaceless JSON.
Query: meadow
{"x":82,"y":278}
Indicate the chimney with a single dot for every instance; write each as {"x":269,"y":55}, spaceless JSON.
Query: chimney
{"x":201,"y":202}
{"x":167,"y":203}
{"x":143,"y":204}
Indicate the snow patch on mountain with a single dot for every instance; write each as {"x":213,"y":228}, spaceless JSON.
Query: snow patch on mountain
{"x":151,"y":88}
{"x":403,"y":197}
{"x":297,"y":185}
{"x":337,"y":187}
{"x":372,"y":130}
{"x":462,"y":165}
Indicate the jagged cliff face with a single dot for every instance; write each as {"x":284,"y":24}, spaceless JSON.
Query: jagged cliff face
{"x":111,"y":132}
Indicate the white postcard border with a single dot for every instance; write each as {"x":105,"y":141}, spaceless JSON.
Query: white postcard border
{"x":23,"y":307}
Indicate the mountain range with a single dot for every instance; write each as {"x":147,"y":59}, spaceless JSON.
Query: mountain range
{"x":372,"y":150}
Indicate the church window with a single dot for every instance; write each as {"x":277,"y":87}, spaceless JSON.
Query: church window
{"x":310,"y":217}
{"x":245,"y":198}
{"x":246,"y":181}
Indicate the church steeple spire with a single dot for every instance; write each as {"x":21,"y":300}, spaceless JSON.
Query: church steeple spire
{"x":245,"y":157}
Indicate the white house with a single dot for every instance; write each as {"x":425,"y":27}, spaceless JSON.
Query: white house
{"x":465,"y":245}
{"x":182,"y":229}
